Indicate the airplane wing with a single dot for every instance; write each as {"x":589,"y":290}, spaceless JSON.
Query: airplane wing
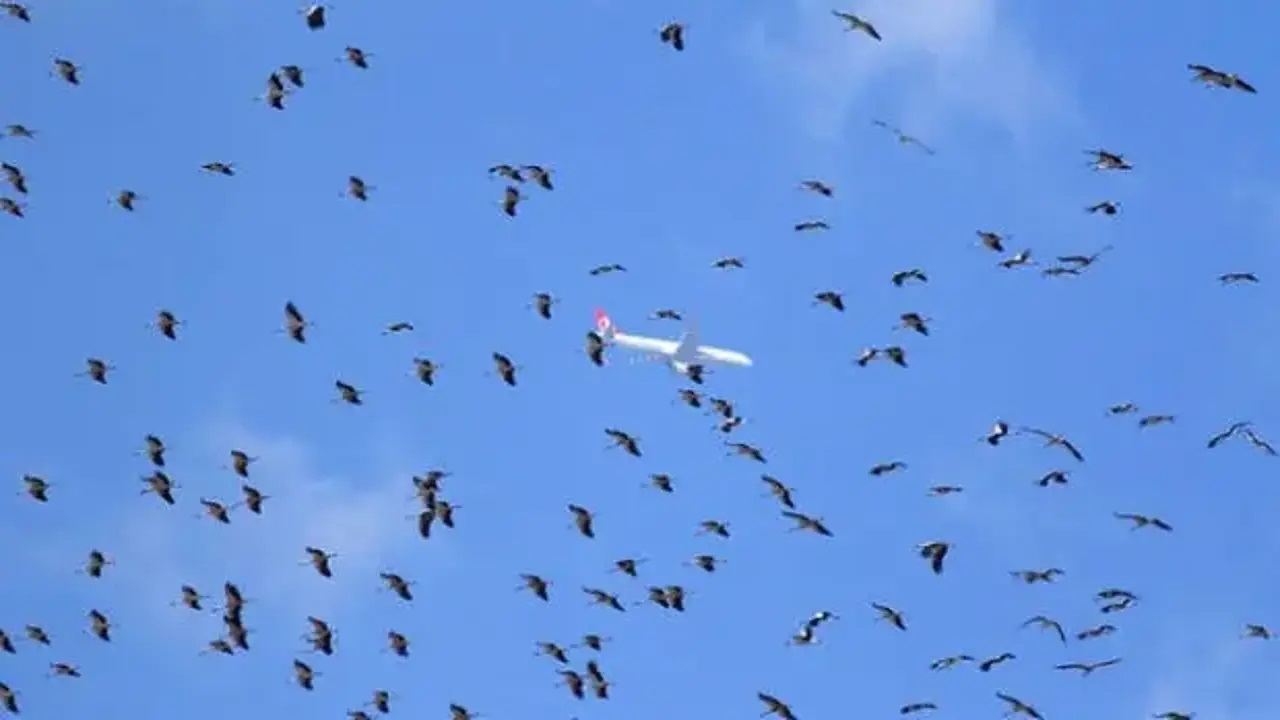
{"x":687,"y":348}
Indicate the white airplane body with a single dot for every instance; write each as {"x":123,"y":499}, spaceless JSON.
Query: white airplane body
{"x":678,"y":354}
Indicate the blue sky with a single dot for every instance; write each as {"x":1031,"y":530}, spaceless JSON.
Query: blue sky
{"x":664,"y":162}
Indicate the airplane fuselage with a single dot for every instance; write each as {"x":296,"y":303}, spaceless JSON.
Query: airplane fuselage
{"x":670,"y":348}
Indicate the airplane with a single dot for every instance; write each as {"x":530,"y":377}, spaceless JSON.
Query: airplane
{"x":680,"y":355}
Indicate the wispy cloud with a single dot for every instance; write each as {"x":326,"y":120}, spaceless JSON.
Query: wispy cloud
{"x":1204,"y":675}
{"x":939,"y":58}
{"x":161,"y":548}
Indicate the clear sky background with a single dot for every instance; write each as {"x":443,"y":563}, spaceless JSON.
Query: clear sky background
{"x":664,"y":162}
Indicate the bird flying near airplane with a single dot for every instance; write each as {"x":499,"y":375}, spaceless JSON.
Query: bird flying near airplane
{"x":686,"y":356}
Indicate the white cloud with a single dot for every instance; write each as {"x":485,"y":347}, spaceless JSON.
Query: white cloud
{"x":161,"y":548}
{"x":940,"y":57}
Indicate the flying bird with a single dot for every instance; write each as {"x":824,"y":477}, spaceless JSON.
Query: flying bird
{"x":1055,"y":440}
{"x":904,"y":138}
{"x":349,"y":393}
{"x":540,"y":176}
{"x":1087,"y":668}
{"x":855,"y":23}
{"x":511,"y":198}
{"x":1047,"y":623}
{"x":672,"y":34}
{"x":806,"y":522}
{"x":890,"y":615}
{"x":542,"y":304}
{"x":935,"y":552}
{"x":595,"y":348}
{"x":1141,"y":521}
{"x":356,"y":57}
{"x":810,"y":225}
{"x":818,"y":187}
{"x":17,"y":11}
{"x":1231,"y":431}
{"x":219,"y":168}
{"x":774,"y":706}
{"x":1216,"y":78}
{"x":314,"y":15}
{"x":505,"y":368}
{"x":1235,"y":278}
{"x":1018,"y":707}
{"x":830,"y":298}
{"x":66,"y":69}
{"x":901,"y":277}
{"x":1107,"y":160}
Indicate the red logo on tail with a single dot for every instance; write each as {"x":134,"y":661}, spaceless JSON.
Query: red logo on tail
{"x":603,"y":323}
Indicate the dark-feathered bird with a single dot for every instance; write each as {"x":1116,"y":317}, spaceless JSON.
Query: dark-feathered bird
{"x":856,"y":23}
{"x":774,"y":706}
{"x":1216,"y":78}
{"x":935,"y":552}
{"x":349,"y":393}
{"x":1106,"y":207}
{"x":67,"y":70}
{"x":744,"y":450}
{"x":1141,"y":521}
{"x":20,"y":12}
{"x":425,"y":370}
{"x":505,"y":368}
{"x":542,"y":303}
{"x":890,"y":615}
{"x":806,"y":522}
{"x":96,"y":370}
{"x":595,"y":348}
{"x":624,"y":440}
{"x":540,"y":176}
{"x":1047,"y":623}
{"x":357,"y":57}
{"x":536,"y":585}
{"x":357,"y":188}
{"x":672,"y":34}
{"x":167,"y":323}
{"x":219,"y":168}
{"x":583,"y":520}
{"x":1107,"y":160}
{"x":819,"y":187}
{"x":1087,"y":668}
{"x":780,"y":491}
{"x":314,"y":15}
{"x":901,"y":277}
{"x":511,"y":198}
{"x":831,"y":298}
{"x":1233,"y":278}
{"x":810,"y":225}
{"x":1054,"y":439}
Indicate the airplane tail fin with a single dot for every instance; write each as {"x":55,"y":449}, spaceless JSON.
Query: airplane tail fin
{"x":604,"y":325}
